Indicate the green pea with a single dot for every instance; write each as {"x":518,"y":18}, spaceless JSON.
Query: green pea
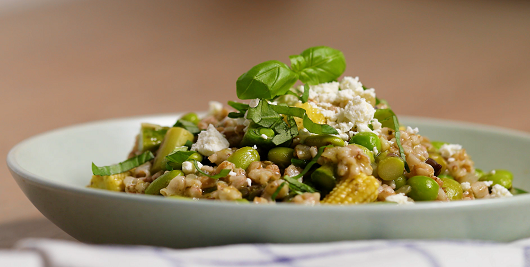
{"x":191,"y":117}
{"x":244,"y":156}
{"x":423,"y":188}
{"x":162,"y":182}
{"x":400,"y":181}
{"x":390,"y":168}
{"x":324,"y":177}
{"x":281,"y":156}
{"x":452,"y":188}
{"x":502,"y":177}
{"x":368,"y":140}
{"x":323,"y":140}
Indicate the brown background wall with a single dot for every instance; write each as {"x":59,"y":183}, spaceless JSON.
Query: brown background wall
{"x":72,"y":62}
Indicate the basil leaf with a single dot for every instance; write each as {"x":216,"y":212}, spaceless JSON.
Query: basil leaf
{"x":221,"y":174}
{"x":241,"y":107}
{"x":398,"y":142}
{"x":266,"y":81}
{"x":295,"y":185}
{"x":318,"y":128}
{"x":319,"y":64}
{"x":123,"y":166}
{"x":305,"y":95}
{"x":188,"y":125}
{"x":277,"y":191}
{"x":285,"y":131}
{"x":235,"y":115}
{"x":312,"y":162}
{"x":263,"y":114}
{"x":179,"y":157}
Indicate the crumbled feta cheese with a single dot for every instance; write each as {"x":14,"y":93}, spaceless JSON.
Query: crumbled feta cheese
{"x":264,"y":136}
{"x":499,"y":191}
{"x":399,"y":198}
{"x":210,"y":141}
{"x":324,"y":92}
{"x":189,"y":168}
{"x":375,"y":151}
{"x":232,"y":173}
{"x":255,"y":146}
{"x":451,"y":159}
{"x":249,"y":181}
{"x":254,"y":103}
{"x":488,"y":183}
{"x":492,"y":172}
{"x":215,"y":107}
{"x":465,"y":186}
{"x":411,"y":130}
{"x":359,"y":112}
{"x":447,"y":150}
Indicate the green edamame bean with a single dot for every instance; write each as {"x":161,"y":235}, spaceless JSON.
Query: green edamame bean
{"x":423,"y":188}
{"x":368,"y":140}
{"x":281,"y":156}
{"x":324,"y":140}
{"x":390,"y":168}
{"x":400,"y":181}
{"x":452,"y":188}
{"x":448,"y":176}
{"x":191,"y":117}
{"x":244,"y":156}
{"x":502,"y":177}
{"x":324,"y":177}
{"x":162,"y":182}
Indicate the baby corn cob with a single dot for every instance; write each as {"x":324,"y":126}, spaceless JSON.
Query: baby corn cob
{"x":361,"y":188}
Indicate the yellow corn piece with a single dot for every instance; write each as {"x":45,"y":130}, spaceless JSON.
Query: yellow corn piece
{"x":111,"y":182}
{"x":361,"y":188}
{"x":313,"y":113}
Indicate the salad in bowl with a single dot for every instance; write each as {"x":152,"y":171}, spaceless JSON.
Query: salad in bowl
{"x":302,"y":134}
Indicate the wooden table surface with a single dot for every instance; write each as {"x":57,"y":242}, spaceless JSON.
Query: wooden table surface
{"x":78,"y":61}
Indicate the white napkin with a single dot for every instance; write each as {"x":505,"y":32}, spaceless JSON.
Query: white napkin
{"x":395,"y":253}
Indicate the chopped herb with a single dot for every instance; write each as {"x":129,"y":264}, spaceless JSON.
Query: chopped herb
{"x":398,"y":142}
{"x":123,"y":166}
{"x":312,"y":162}
{"x":175,"y":159}
{"x":305,"y":94}
{"x":188,"y":125}
{"x":222,"y":173}
{"x":277,"y":191}
{"x":297,"y":186}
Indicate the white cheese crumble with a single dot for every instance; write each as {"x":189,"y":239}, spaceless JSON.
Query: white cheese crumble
{"x":254,"y":103}
{"x":399,"y":198}
{"x":411,"y":130}
{"x":232,"y":173}
{"x":215,"y":107}
{"x":447,"y":150}
{"x":488,"y":183}
{"x":189,"y":168}
{"x":465,"y":186}
{"x":357,"y":112}
{"x":499,"y":191}
{"x":210,"y":141}
{"x":264,"y":136}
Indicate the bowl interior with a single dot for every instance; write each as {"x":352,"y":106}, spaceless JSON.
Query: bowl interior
{"x":64,"y":156}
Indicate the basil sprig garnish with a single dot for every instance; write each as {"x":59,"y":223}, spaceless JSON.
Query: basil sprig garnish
{"x":124,"y":165}
{"x":398,"y":142}
{"x":319,"y":64}
{"x":188,"y":125}
{"x":273,"y":78}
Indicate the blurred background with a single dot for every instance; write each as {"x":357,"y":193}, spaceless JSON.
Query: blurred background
{"x":65,"y":62}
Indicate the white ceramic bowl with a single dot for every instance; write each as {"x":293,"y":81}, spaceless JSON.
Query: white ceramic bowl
{"x":54,"y":168}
